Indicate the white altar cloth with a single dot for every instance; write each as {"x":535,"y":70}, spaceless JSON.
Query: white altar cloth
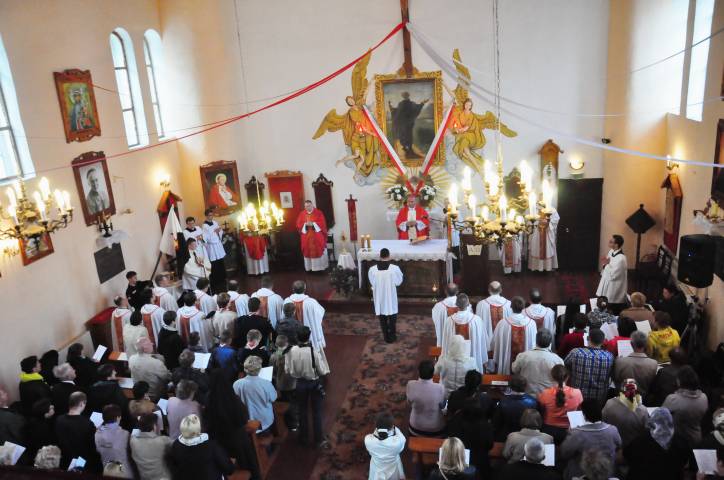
{"x":403,"y":250}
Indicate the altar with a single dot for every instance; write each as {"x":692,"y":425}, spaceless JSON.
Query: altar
{"x":426,"y":266}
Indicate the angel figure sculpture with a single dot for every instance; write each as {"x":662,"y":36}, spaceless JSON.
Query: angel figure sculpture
{"x":357,"y":131}
{"x":467,"y":126}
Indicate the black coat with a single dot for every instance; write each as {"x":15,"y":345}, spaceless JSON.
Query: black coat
{"x":170,"y":345}
{"x":85,"y":371}
{"x":243,"y":324}
{"x":477,"y":436}
{"x":528,"y":471}
{"x":200,"y":378}
{"x":108,"y":392}
{"x":467,"y":474}
{"x":647,"y":460}
{"x":205,"y":461}
{"x":76,"y":438}
{"x":59,"y":394}
{"x":12,"y":427}
{"x":31,"y":392}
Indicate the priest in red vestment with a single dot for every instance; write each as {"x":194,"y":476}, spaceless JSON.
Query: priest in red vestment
{"x":312,"y":227}
{"x":413,"y":221}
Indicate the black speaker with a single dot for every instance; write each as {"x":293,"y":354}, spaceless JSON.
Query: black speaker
{"x":696,"y":260}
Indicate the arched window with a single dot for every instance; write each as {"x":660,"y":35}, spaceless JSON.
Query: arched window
{"x":698,"y":58}
{"x":129,"y":89}
{"x":15,"y":158}
{"x":153,"y":57}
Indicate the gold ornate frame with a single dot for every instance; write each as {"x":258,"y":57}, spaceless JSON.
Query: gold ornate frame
{"x":381,"y":108}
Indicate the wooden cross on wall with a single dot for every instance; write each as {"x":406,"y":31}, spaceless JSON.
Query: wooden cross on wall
{"x":406,"y":45}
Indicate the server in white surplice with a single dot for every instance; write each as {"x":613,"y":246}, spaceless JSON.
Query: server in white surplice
{"x":384,"y":279}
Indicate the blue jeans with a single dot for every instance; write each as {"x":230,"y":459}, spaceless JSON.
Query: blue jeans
{"x":307,"y":394}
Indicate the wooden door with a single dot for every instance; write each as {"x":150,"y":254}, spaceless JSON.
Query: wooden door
{"x":579,"y":230}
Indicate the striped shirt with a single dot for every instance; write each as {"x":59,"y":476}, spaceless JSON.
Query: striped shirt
{"x":590,"y":371}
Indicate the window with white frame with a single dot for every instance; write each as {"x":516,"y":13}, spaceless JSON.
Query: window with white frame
{"x":152,"y":55}
{"x":699,"y":57}
{"x":129,"y":89}
{"x":15,"y":158}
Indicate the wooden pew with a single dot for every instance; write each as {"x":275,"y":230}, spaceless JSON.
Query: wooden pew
{"x":424,"y":451}
{"x":494,"y":380}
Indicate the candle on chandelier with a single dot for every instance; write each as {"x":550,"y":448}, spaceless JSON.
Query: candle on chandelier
{"x":512,"y":214}
{"x":66,"y":201}
{"x":526,"y":174}
{"x":503,"y":205}
{"x":58,"y":196}
{"x":547,"y":193}
{"x":520,"y":220}
{"x":39,"y":204}
{"x":18,"y":190}
{"x":467,"y":180}
{"x":44,"y":188}
{"x":11,"y":197}
{"x":493,"y":185}
{"x":13,"y":213}
{"x":487,"y":171}
{"x":532,"y":199}
{"x":472,"y":202}
{"x":453,"y":197}
{"x":485,"y":213}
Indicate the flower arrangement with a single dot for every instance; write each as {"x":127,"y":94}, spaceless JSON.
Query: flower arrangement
{"x":428,"y":193}
{"x":397,"y":193}
{"x":343,"y":280}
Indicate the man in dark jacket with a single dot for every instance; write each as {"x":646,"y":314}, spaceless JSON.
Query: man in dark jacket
{"x":12,"y":424}
{"x":61,"y":391}
{"x":186,"y":371}
{"x":674,"y":303}
{"x":253,"y":321}
{"x":289,"y":325}
{"x":106,"y":391}
{"x":170,"y":343}
{"x":76,"y":435}
{"x":32,"y":386}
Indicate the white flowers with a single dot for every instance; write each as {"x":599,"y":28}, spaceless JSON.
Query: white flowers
{"x":428,"y":193}
{"x":397,"y":193}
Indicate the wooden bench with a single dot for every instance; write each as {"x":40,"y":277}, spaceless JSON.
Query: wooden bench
{"x":494,"y":380}
{"x":424,"y":450}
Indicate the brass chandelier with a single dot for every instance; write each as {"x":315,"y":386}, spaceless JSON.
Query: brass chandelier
{"x":263,"y":220}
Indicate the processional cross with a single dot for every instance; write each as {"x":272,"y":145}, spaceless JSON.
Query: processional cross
{"x":406,"y":44}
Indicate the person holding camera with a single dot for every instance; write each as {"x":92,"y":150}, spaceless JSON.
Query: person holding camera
{"x":384,"y":446}
{"x":304,"y":363}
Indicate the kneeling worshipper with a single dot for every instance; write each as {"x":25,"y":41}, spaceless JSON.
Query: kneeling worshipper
{"x":413,"y":221}
{"x":214,"y":250}
{"x":514,"y":335}
{"x":310,"y":313}
{"x":197,"y":267}
{"x":468,"y":325}
{"x":614,"y":281}
{"x":511,"y":255}
{"x":161,"y":295}
{"x":120,"y":317}
{"x":271,"y":303}
{"x":257,"y":260}
{"x":190,"y":319}
{"x":312,"y":227}
{"x":443,"y":309}
{"x":493,"y":309}
{"x":542,"y":252}
{"x":385,"y":445}
{"x":384,"y":279}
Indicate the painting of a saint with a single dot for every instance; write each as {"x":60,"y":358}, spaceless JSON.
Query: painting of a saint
{"x":77,"y":105}
{"x":97,"y":196}
{"x":220,"y":185}
{"x":402,"y":121}
{"x":94,"y":186}
{"x":220,"y":195}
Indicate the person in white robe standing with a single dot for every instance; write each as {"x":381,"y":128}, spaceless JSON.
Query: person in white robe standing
{"x":238,"y":302}
{"x":614,"y":276}
{"x":384,"y":279}
{"x":198,"y":266}
{"x":224,"y":317}
{"x":190,"y":319}
{"x":271,"y":303}
{"x":309,"y":313}
{"x":513,"y":335}
{"x":152,"y":315}
{"x":468,"y":325}
{"x":543,"y":316}
{"x":542,"y":252}
{"x":161,"y":295}
{"x":384,"y":446}
{"x":120,"y":317}
{"x":193,"y":231}
{"x":443,"y":309}
{"x":511,"y":255}
{"x":214,"y":251}
{"x":493,"y":309}
{"x":204,"y":302}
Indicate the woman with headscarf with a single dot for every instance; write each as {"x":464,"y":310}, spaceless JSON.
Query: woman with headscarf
{"x":626,"y":412}
{"x":715,"y":439}
{"x":659,"y":453}
{"x":455,"y":364}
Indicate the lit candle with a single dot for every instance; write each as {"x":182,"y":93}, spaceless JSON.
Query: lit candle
{"x":66,"y":201}
{"x":520,"y":220}
{"x":58,"y":196}
{"x":472,"y":201}
{"x":532,"y":199}
{"x":44,"y":188}
{"x":493,"y":184}
{"x":13,"y":213}
{"x":547,"y":193}
{"x":487,"y":171}
{"x":39,"y":204}
{"x":503,"y":205}
{"x":11,"y":197}
{"x":453,"y":197}
{"x":512,"y":214}
{"x":485,"y":214}
{"x":526,"y":173}
{"x":467,"y":181}
{"x":18,"y":190}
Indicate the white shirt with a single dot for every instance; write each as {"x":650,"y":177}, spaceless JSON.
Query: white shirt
{"x":384,"y":288}
{"x":385,"y":463}
{"x":212,"y":241}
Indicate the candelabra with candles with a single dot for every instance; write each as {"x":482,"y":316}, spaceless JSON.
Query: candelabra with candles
{"x":260,"y":221}
{"x":34,"y":217}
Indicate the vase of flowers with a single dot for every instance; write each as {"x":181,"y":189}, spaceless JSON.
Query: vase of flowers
{"x":427,"y":194}
{"x":397,"y":194}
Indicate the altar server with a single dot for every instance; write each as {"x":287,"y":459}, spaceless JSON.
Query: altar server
{"x":443,"y":309}
{"x":309,"y":313}
{"x":198,"y":266}
{"x":614,"y":281}
{"x":271,"y":303}
{"x":493,"y":309}
{"x":161,"y":295}
{"x":213,"y":234}
{"x":542,"y":252}
{"x":413,"y":221}
{"x":204,"y":302}
{"x":510,"y":255}
{"x":465,"y":323}
{"x":120,"y":317}
{"x":514,"y":334}
{"x":152,"y":315}
{"x":190,"y":319}
{"x":238,"y":302}
{"x":384,"y":279}
{"x":312,"y":227}
{"x":543,"y":316}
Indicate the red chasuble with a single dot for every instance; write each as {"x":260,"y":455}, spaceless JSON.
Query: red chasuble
{"x":421,"y":215}
{"x":255,"y":246}
{"x":517,"y":341}
{"x":496,"y":314}
{"x":313,"y":242}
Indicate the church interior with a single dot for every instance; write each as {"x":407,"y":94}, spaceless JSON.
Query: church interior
{"x":386,"y":239}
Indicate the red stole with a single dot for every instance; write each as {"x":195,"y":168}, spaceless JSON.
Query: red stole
{"x":118,"y":326}
{"x":148,"y":323}
{"x":462,"y":329}
{"x":198,"y":301}
{"x":538,"y":320}
{"x":543,"y":241}
{"x":517,"y":341}
{"x":299,"y":311}
{"x":264,"y":307}
{"x":184,"y":327}
{"x":508,"y":253}
{"x":232,"y":305}
{"x":496,"y":313}
{"x":157,"y":300}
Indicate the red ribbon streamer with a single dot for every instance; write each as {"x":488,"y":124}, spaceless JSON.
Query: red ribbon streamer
{"x":352,"y":213}
{"x":227,"y":121}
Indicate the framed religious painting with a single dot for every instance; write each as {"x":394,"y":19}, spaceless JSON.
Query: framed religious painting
{"x":35,"y":248}
{"x":220,"y":185}
{"x":409,"y":111}
{"x":77,"y":105}
{"x":93,"y":182}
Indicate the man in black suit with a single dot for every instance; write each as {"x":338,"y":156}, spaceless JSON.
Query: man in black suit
{"x":106,"y":391}
{"x":61,"y":391}
{"x":134,"y":289}
{"x":253,"y":321}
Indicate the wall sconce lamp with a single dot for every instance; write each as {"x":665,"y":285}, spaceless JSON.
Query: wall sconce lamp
{"x":165,"y":181}
{"x":576,"y":165}
{"x":671,"y":165}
